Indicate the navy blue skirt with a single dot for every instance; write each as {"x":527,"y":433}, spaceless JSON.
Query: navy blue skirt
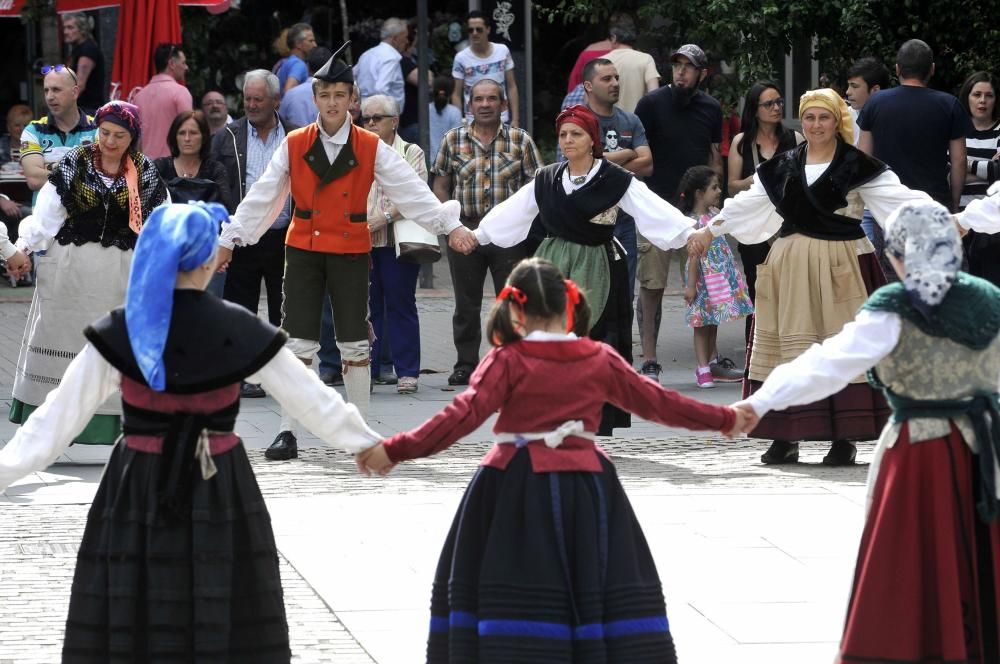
{"x":547,"y":568}
{"x":195,"y":582}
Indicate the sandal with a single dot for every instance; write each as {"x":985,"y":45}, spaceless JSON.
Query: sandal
{"x":406,"y":385}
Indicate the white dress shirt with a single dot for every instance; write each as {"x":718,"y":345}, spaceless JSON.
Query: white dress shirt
{"x":90,"y":380}
{"x":659,"y":222}
{"x":264,"y":201}
{"x":378,"y":72}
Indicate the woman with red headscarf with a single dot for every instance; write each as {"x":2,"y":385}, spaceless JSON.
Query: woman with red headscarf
{"x":578,"y":202}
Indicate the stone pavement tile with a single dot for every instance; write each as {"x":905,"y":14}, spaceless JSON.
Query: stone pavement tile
{"x":393,"y":636}
{"x":768,"y":653}
{"x":777,"y":622}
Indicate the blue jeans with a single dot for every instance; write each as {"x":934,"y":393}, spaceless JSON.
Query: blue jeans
{"x":329,"y":354}
{"x":392,"y":302}
{"x":626,"y":234}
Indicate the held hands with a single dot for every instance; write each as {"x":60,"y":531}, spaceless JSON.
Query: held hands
{"x":699,"y":242}
{"x":463,"y":240}
{"x":18,"y":265}
{"x":222,"y":258}
{"x":374,"y":460}
{"x":747,"y":418}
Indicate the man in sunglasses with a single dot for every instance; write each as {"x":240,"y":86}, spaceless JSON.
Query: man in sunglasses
{"x":484,"y":59}
{"x":46,"y":140}
{"x":162,"y":99}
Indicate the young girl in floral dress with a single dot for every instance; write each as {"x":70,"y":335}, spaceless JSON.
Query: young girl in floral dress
{"x":715,"y":291}
{"x":545,"y":562}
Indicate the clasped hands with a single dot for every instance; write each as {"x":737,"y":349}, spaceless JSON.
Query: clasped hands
{"x":18,"y":265}
{"x":374,"y":461}
{"x":746,"y":419}
{"x":699,"y":241}
{"x":463,"y":240}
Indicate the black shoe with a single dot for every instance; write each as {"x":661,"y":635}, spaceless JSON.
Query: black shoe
{"x":781,"y":451}
{"x":459,"y":377}
{"x":842,"y":453}
{"x":386,"y":378}
{"x":331,"y":378}
{"x":251,"y":391}
{"x":283,"y":448}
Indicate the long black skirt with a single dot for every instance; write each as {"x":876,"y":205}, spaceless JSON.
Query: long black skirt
{"x":614,"y":328}
{"x":196,"y":583}
{"x":547,"y":568}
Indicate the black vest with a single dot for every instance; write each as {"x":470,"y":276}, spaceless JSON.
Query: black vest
{"x":810,"y":210}
{"x":568,"y":216}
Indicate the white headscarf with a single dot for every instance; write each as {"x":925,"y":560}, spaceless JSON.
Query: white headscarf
{"x":925,"y":238}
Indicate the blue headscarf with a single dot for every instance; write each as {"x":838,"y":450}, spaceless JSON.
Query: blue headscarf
{"x":175,"y":238}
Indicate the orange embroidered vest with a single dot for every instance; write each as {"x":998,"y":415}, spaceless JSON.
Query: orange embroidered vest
{"x":331,"y":200}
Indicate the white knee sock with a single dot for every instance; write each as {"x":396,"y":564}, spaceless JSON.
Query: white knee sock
{"x":357,"y":381}
{"x":288,"y":423}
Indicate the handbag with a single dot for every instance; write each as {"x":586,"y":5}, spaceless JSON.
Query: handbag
{"x":415,"y":244}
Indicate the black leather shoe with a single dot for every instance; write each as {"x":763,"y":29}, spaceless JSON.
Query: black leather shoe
{"x":842,"y":453}
{"x":284,"y":447}
{"x":459,"y":377}
{"x":251,"y":391}
{"x":385,"y":378}
{"x":781,"y":451}
{"x":331,"y":378}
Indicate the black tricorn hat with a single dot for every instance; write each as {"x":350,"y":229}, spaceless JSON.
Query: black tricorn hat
{"x":336,"y":71}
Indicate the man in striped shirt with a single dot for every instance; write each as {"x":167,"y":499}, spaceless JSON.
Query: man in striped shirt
{"x":480,"y":164}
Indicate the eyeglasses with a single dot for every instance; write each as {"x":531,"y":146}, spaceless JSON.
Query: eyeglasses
{"x":365,"y":119}
{"x":475,"y":30}
{"x":58,"y":68}
{"x":772,"y":103}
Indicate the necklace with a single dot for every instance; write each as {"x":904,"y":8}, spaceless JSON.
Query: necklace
{"x":181,"y":171}
{"x":580,"y":179}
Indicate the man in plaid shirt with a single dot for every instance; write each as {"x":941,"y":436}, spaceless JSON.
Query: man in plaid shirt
{"x":480,"y":165}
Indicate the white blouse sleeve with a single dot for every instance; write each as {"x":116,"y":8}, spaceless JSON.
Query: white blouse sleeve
{"x":657,"y":220}
{"x":88,"y":381}
{"x":982,"y":215}
{"x":411,"y":195}
{"x":509,"y":222}
{"x":261,"y":205}
{"x":884,"y":194}
{"x":827,"y":368}
{"x":36,"y":231}
{"x":320,"y":408}
{"x":749,"y":216}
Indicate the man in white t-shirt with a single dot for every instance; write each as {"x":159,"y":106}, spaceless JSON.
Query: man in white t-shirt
{"x":636,"y":70}
{"x":484,"y":59}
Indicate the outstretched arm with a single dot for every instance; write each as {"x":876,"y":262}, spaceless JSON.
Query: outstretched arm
{"x":319,"y":408}
{"x":88,"y":381}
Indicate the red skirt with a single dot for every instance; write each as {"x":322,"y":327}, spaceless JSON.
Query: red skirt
{"x":925,"y":586}
{"x":857,"y":412}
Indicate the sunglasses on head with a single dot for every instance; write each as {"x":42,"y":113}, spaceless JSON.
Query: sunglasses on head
{"x":58,"y":68}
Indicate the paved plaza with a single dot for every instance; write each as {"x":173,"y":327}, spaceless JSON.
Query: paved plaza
{"x":756,"y":561}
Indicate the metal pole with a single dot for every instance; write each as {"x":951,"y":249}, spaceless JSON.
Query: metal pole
{"x":529,"y":72}
{"x":423,"y":103}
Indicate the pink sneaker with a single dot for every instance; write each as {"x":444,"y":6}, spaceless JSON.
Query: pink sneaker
{"x":704,"y":376}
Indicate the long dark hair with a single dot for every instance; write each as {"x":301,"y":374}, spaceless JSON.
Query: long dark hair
{"x":206,"y":134}
{"x":695,"y":179}
{"x":441,"y":92}
{"x":544,"y":288}
{"x":980,"y":77}
{"x":748,"y":121}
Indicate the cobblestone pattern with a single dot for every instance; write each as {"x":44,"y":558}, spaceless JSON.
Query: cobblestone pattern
{"x":38,"y":547}
{"x":673,"y":464}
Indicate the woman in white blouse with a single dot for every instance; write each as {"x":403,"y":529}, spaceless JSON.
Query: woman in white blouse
{"x":818,"y":272}
{"x":577,"y":202}
{"x":930,"y":550}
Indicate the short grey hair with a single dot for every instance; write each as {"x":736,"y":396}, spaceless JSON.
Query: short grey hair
{"x":388,"y":105}
{"x":392,"y":27}
{"x":296,"y":34}
{"x":84,"y":23}
{"x":490,"y":81}
{"x":269,"y":79}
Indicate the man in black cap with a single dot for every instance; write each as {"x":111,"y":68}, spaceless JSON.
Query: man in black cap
{"x":328,"y":167}
{"x":684,"y":129}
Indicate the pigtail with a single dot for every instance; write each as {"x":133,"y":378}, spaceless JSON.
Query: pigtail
{"x":580,"y":310}
{"x":500,"y":327}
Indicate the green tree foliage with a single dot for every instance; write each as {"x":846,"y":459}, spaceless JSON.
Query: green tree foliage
{"x":751,"y":34}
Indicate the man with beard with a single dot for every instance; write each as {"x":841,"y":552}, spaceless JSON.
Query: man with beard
{"x":684,"y":129}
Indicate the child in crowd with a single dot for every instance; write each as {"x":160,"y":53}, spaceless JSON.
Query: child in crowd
{"x":545,"y":560}
{"x":178,"y":561}
{"x":715,"y":291}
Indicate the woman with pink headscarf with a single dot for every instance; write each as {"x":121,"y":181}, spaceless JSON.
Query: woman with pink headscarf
{"x":578,"y":202}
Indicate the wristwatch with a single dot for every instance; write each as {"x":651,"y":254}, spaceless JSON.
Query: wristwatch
{"x":388,"y":218}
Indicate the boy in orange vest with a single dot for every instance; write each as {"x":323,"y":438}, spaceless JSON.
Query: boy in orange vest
{"x":329,"y":167}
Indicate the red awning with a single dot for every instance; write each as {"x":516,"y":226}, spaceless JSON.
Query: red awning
{"x":64,"y":6}
{"x":147,"y":24}
{"x":11,"y":8}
